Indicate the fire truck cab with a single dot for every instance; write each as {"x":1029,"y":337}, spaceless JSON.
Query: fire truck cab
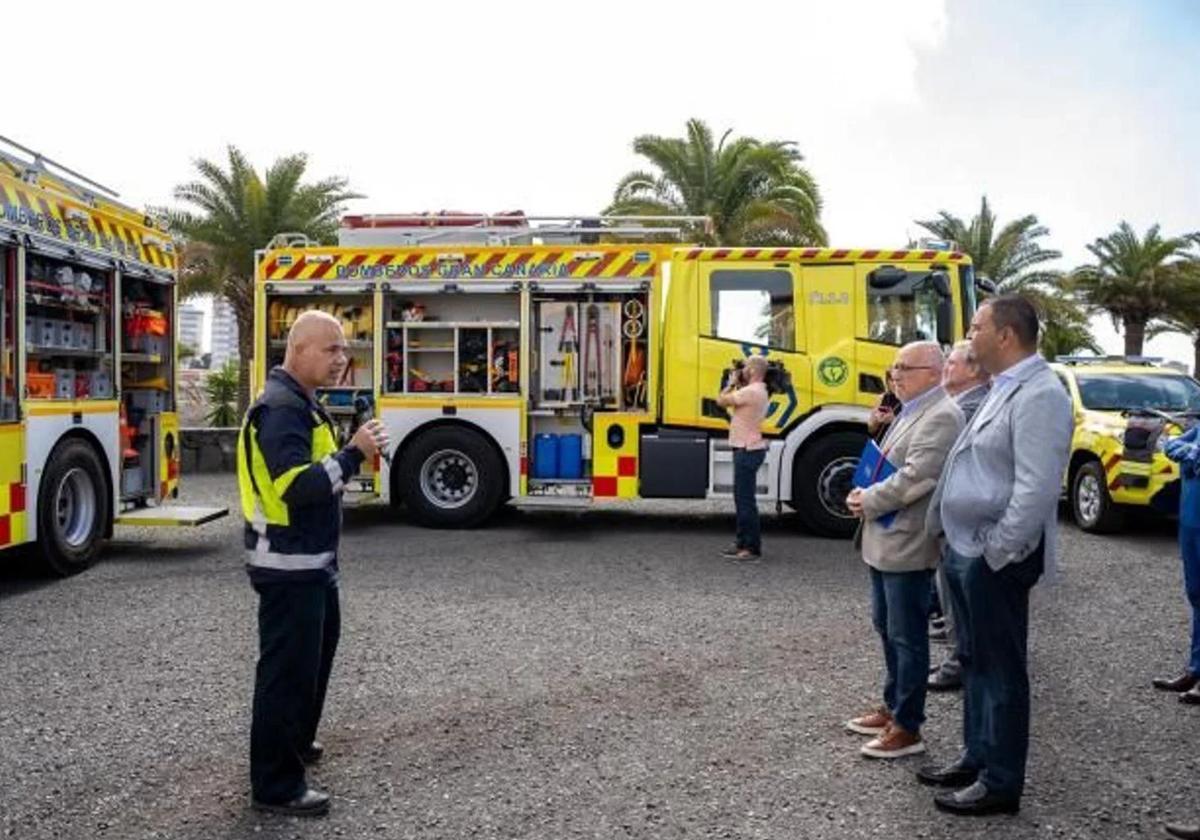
{"x":569,"y":361}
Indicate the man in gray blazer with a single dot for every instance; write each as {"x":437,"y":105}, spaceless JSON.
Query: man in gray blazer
{"x":996,"y":505}
{"x":968,"y":384}
{"x":900,"y":554}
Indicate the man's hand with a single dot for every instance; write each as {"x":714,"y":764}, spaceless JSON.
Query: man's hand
{"x":371,"y":437}
{"x":854,"y":502}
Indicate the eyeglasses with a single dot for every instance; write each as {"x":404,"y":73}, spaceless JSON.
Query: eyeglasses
{"x":906,"y":368}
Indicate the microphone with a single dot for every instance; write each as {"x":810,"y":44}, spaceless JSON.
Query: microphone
{"x":362,"y":413}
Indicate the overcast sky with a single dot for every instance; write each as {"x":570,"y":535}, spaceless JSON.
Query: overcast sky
{"x":1083,"y":113}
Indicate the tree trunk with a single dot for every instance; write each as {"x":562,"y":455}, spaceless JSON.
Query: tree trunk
{"x":1196,"y":356}
{"x":239,"y":291}
{"x":245,"y":358}
{"x":1135,"y":336}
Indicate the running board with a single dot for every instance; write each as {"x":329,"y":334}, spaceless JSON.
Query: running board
{"x":552,"y":503}
{"x":171,"y":516}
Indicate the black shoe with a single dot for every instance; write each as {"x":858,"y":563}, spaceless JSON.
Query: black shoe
{"x":311,"y":803}
{"x":1183,"y":831}
{"x":312,"y":753}
{"x":1192,"y":697}
{"x":976,"y":801}
{"x":1184,"y":682}
{"x":941,"y":681}
{"x":949,"y":776}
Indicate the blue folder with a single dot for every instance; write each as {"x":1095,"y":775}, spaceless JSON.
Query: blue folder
{"x":874,"y":467}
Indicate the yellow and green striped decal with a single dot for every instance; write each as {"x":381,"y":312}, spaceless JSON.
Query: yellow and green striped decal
{"x":511,"y":263}
{"x":52,"y":213}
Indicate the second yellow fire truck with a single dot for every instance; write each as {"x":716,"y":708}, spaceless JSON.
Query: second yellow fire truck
{"x":555,"y":362}
{"x":89,"y":436}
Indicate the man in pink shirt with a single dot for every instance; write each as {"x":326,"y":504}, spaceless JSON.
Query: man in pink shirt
{"x":746,"y":394}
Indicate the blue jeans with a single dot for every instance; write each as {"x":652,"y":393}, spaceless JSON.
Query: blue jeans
{"x":900,"y":612}
{"x":1189,"y":545}
{"x":991,"y":612}
{"x":745,"y":469}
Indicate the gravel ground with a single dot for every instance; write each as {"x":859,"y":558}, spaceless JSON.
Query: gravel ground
{"x":560,"y":675}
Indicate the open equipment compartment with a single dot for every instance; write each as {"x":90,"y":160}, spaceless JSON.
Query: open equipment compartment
{"x":465,"y":342}
{"x":147,"y":381}
{"x":68,"y":328}
{"x":588,"y":363}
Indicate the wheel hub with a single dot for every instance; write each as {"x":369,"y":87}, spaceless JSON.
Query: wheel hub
{"x":449,"y":479}
{"x":75,"y":508}
{"x":834,"y":484}
{"x":1088,"y":499}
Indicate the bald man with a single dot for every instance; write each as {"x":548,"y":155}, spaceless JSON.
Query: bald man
{"x":746,"y":394}
{"x":900,"y":555}
{"x":291,"y":473}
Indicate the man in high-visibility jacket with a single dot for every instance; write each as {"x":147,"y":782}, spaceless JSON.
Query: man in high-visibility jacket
{"x":291,"y":474}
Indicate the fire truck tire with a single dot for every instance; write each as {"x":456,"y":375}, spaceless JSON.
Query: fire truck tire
{"x":822,"y":480}
{"x":451,"y":478}
{"x":71,"y":509}
{"x":1092,"y":507}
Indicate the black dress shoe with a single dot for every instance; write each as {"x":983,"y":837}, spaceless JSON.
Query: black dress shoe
{"x":976,"y":801}
{"x":1183,"y":831}
{"x":1184,"y":682}
{"x":941,"y":681}
{"x":312,"y":753}
{"x":949,"y":776}
{"x":311,"y":803}
{"x":1192,"y":698}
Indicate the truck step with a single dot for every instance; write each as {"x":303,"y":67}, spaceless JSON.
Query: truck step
{"x":552,"y":503}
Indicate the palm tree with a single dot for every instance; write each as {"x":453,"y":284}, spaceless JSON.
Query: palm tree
{"x":1065,"y":329}
{"x":1133,"y":279}
{"x":235,"y":211}
{"x":1010,"y":257}
{"x":1013,"y":259}
{"x":221,"y":389}
{"x":754,"y":191}
{"x":1184,"y":317}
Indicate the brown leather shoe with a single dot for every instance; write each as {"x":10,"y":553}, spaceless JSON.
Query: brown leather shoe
{"x":895,"y":742}
{"x":872,"y":723}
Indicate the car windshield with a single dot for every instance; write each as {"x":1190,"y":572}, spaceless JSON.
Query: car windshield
{"x":1132,"y":391}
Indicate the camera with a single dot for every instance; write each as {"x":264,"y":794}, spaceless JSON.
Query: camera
{"x":777,"y":378}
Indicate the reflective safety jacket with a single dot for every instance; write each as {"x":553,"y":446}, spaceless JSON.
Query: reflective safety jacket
{"x":291,"y":475}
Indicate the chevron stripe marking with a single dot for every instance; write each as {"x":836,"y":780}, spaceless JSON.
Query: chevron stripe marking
{"x":602,"y":264}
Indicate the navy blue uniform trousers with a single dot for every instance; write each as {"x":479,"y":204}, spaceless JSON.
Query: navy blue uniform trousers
{"x":299,"y":624}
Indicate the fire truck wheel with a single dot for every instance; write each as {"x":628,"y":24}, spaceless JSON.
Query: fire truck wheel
{"x":1091,"y":506}
{"x":72,"y":505}
{"x":821,"y":481}
{"x":452,"y":478}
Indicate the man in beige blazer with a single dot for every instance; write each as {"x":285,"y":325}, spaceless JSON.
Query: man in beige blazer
{"x":900,"y":554}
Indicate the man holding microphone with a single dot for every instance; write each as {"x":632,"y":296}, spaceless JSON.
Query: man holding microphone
{"x":291,"y":475}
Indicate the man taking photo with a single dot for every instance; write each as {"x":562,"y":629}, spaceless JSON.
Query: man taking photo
{"x":746,"y":394}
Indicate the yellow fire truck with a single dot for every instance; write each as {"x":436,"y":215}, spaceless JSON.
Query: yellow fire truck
{"x":568,"y":361}
{"x":88,"y":431}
